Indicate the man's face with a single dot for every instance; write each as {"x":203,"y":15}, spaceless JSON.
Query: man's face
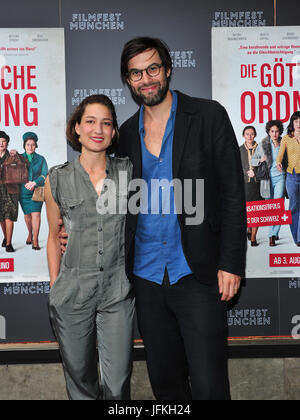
{"x":148,"y":90}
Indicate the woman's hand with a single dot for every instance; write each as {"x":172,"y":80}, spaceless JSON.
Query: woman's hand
{"x":52,"y":281}
{"x":251,"y":173}
{"x":30,"y":186}
{"x":279,"y":167}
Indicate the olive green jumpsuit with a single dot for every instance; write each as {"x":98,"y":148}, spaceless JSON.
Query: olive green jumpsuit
{"x":91,"y":302}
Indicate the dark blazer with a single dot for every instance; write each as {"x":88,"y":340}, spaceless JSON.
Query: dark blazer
{"x":204,"y":147}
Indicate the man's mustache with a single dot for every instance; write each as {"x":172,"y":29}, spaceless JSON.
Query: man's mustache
{"x":149,"y":85}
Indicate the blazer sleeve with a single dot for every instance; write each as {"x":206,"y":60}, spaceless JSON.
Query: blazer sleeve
{"x":230,"y":181}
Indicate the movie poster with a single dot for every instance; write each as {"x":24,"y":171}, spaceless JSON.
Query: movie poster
{"x":32,"y":115}
{"x":256,"y":77}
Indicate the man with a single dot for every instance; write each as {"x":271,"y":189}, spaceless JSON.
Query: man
{"x":183,"y":273}
{"x":183,"y":270}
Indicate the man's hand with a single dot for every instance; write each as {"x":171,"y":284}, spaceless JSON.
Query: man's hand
{"x":63,"y":236}
{"x":229,"y":285}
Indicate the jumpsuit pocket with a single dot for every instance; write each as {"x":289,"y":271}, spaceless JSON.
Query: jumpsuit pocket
{"x":87,"y":286}
{"x":120,"y":235}
{"x":64,"y":289}
{"x":73,"y":288}
{"x":75,"y":211}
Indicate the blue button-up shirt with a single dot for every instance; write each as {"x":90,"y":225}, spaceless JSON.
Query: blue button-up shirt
{"x":158,"y":235}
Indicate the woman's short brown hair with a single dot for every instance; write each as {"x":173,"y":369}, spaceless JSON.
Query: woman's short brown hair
{"x":294,"y":117}
{"x":76,"y":117}
{"x":250,"y":127}
{"x":4,"y":136}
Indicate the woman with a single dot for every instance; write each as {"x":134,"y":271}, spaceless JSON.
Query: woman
{"x":252,"y":186}
{"x":38,"y":170}
{"x":9,"y":196}
{"x":291,"y":144}
{"x":273,"y":187}
{"x":90,"y":299}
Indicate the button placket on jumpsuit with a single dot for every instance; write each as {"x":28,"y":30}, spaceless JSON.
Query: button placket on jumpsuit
{"x":91,"y":300}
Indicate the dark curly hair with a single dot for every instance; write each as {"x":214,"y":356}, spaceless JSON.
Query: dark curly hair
{"x":277,"y":123}
{"x":75,"y":118}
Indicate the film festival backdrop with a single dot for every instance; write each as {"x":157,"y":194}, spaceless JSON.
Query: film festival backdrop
{"x":90,"y":38}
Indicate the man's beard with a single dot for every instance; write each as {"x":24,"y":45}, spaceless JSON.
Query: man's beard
{"x":151,"y":100}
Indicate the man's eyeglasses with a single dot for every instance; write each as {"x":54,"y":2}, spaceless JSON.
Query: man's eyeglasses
{"x":152,"y":71}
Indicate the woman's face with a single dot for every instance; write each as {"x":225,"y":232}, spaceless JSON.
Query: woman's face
{"x":297,"y":125}
{"x":274,"y":132}
{"x":30,"y":147}
{"x":96,"y":128}
{"x":249,"y":137}
{"x":3,"y":145}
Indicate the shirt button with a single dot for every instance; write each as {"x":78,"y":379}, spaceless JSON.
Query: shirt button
{"x":161,"y":160}
{"x":99,"y":229}
{"x":101,"y":252}
{"x":101,"y":269}
{"x":164,"y":243}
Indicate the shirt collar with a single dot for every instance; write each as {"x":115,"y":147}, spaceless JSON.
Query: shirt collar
{"x":173,"y":111}
{"x":83,"y":171}
{"x":30,"y":157}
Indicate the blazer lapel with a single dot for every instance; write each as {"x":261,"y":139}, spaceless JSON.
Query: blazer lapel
{"x":136,"y":149}
{"x":182,"y":126}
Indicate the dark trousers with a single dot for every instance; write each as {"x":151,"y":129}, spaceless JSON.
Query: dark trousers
{"x":184,"y":330}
